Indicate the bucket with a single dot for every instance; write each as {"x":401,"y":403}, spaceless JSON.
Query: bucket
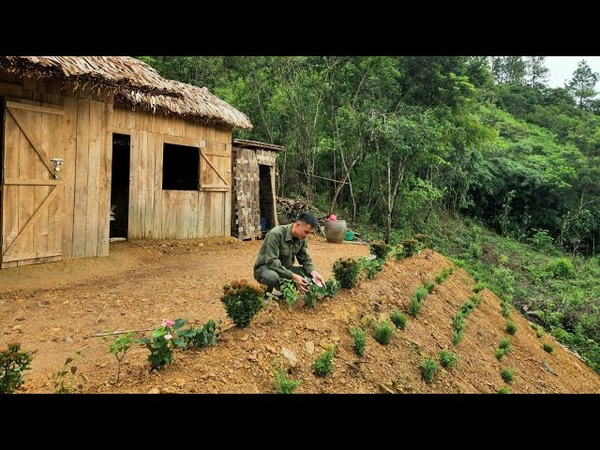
{"x":335,"y":231}
{"x":263,"y":223}
{"x":349,"y":236}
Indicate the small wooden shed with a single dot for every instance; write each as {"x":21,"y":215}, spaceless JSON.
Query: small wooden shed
{"x":101,"y":147}
{"x":254,"y":175}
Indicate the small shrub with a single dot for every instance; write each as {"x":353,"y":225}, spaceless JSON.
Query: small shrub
{"x":505,"y":345}
{"x":161,"y":343}
{"x":120,"y":347}
{"x":479,"y":287}
{"x":547,"y":347}
{"x":504,"y":390}
{"x":410,"y":247}
{"x":511,"y":327}
{"x":499,"y":353}
{"x":283,"y":385}
{"x":398,"y":318}
{"x":370,"y":267}
{"x":67,"y":380}
{"x":561,"y":268}
{"x":196,"y":338}
{"x":383,"y":331}
{"x":429,"y":368}
{"x":457,"y":336}
{"x":289,"y":291}
{"x":324,"y":363}
{"x":429,"y":286}
{"x":346,"y":272}
{"x":332,"y":287}
{"x":242,"y":301}
{"x":380,"y":249}
{"x":360,"y":340}
{"x":13,"y":363}
{"x":508,"y":375}
{"x":448,"y":360}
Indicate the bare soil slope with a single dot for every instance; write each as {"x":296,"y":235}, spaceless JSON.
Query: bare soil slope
{"x":61,"y":308}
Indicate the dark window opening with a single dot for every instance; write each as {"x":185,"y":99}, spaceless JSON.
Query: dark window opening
{"x":181,"y":167}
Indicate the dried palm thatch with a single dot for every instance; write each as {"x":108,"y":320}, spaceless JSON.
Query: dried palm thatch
{"x":135,"y":84}
{"x":109,"y":72}
{"x":193,"y":103}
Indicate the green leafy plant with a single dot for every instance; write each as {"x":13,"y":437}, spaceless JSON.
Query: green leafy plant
{"x":161,"y":343}
{"x":508,"y":375}
{"x":548,"y":348}
{"x":511,"y":327}
{"x":505,"y":345}
{"x":416,"y":301}
{"x":398,"y":318}
{"x":360,"y":340}
{"x":504,"y":390}
{"x":429,"y":367}
{"x":324,"y":363}
{"x":242,"y":301}
{"x":346,"y":271}
{"x":383,"y":331}
{"x":380,"y":249}
{"x":370,"y":266}
{"x":410,"y":246}
{"x":13,"y":363}
{"x":289,"y":291}
{"x":283,"y":385}
{"x":67,"y":380}
{"x":448,"y":359}
{"x":196,"y":338}
{"x":120,"y":347}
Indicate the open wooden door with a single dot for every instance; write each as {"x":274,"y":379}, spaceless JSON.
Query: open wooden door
{"x":33,"y":150}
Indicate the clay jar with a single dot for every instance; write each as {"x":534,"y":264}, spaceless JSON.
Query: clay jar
{"x":335,"y":231}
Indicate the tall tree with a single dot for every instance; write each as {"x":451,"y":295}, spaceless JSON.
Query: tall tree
{"x":537,"y":73}
{"x":582,"y":85}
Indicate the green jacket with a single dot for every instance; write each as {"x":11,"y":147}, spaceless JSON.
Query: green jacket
{"x":280,"y":249}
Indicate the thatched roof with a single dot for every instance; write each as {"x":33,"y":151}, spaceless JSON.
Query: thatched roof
{"x":109,"y":72}
{"x":135,"y":84}
{"x":193,"y":103}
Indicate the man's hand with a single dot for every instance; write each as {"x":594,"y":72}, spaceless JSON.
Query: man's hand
{"x":301,"y":283}
{"x":317,"y":278}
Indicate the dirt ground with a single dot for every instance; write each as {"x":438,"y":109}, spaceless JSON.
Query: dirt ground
{"x":60,"y":309}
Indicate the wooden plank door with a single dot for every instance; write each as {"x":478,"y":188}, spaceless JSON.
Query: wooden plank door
{"x":31,"y":187}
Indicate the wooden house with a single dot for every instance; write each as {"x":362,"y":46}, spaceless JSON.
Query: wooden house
{"x":254,"y":174}
{"x":94,"y":148}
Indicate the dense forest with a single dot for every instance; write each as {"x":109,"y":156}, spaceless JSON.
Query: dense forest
{"x":478,"y":153}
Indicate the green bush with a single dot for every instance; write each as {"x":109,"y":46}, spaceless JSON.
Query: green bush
{"x":346,"y":272}
{"x":398,"y":318}
{"x":242,"y":301}
{"x":283,"y":385}
{"x":383,"y":331}
{"x":429,"y":368}
{"x":380,"y":249}
{"x":360,"y":341}
{"x":561,"y":268}
{"x":448,"y":359}
{"x":508,"y":375}
{"x":324,"y":363}
{"x":511,"y":327}
{"x":13,"y":362}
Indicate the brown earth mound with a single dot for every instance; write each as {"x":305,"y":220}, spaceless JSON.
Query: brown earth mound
{"x":76,"y":308}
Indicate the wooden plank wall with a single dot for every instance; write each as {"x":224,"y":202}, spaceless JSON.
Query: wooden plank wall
{"x":83,"y":143}
{"x":155,"y":213}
